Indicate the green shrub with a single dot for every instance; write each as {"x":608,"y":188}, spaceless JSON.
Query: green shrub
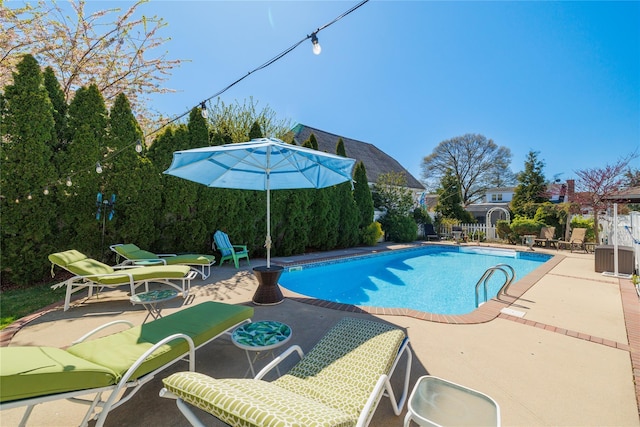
{"x":370,"y":234}
{"x":582,"y":222}
{"x":503,"y":228}
{"x":478,"y":236}
{"x":522,"y":226}
{"x":402,"y":229}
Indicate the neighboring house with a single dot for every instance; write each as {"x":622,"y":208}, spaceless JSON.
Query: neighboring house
{"x":496,"y":201}
{"x":376,"y":161}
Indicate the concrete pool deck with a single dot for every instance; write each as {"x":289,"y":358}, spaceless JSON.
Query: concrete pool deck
{"x":567,"y":355}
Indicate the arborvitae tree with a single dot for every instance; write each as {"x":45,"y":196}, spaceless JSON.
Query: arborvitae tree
{"x":86,"y":147}
{"x":60,"y":108}
{"x":27,"y":131}
{"x":132,"y":179}
{"x":348,"y":216}
{"x":312,"y":142}
{"x":255,"y":131}
{"x":450,"y":200}
{"x":362,"y":196}
{"x":531,"y":190}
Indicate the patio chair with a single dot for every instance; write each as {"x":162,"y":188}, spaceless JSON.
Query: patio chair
{"x":109,"y":365}
{"x":229,"y":251}
{"x":90,"y":274}
{"x":546,"y":238}
{"x":576,"y":240}
{"x":338,"y":383}
{"x":430,"y":232}
{"x":136,"y":256}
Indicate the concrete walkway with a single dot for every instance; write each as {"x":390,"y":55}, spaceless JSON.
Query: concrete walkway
{"x":563,"y":357}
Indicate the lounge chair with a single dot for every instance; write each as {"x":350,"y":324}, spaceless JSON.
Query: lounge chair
{"x":136,"y":256}
{"x":229,"y":251}
{"x":89,"y":273}
{"x":338,"y":383}
{"x":576,"y":240}
{"x":546,"y":238}
{"x":111,"y":364}
{"x":430,"y":232}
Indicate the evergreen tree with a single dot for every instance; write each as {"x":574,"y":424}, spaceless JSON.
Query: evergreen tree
{"x":132,"y":179}
{"x":27,"y":131}
{"x":450,"y":200}
{"x":60,"y":108}
{"x":86,"y":148}
{"x":531,"y":189}
{"x":255,"y":131}
{"x":348,"y":214}
{"x":362,"y":196}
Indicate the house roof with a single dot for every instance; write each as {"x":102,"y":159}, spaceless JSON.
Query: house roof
{"x":628,"y":195}
{"x":375,"y":160}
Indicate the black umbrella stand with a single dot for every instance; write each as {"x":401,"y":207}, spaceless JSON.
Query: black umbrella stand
{"x":268,"y":292}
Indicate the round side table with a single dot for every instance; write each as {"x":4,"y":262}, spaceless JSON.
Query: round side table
{"x":153,"y":300}
{"x":265,"y":335}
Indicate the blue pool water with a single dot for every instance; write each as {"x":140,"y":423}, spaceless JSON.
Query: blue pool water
{"x":433,"y":279}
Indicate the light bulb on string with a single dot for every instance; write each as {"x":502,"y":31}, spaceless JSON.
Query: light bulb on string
{"x":203,"y":110}
{"x":316,"y":45}
{"x":98,"y":168}
{"x":69,"y":183}
{"x":139,"y":146}
{"x":29,"y":197}
{"x":46,"y":191}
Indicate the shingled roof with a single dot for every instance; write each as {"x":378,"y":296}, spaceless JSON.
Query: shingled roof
{"x":375,"y":160}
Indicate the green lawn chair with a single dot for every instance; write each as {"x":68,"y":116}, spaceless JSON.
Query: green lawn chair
{"x":136,"y":256}
{"x":229,"y":251}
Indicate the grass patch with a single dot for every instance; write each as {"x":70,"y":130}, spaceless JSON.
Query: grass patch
{"x":18,"y":302}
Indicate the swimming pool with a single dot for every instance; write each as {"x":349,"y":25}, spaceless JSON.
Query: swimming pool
{"x":434,"y":279}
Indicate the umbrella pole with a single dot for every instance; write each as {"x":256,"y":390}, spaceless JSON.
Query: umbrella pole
{"x":267,"y":242}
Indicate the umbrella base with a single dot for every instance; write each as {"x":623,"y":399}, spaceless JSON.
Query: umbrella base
{"x":268,"y":292}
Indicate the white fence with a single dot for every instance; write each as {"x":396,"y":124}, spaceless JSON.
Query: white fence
{"x":472,"y":231}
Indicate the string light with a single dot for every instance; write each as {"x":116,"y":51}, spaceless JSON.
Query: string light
{"x":316,"y":46}
{"x":317,"y":49}
{"x":29,"y":197}
{"x":203,"y":110}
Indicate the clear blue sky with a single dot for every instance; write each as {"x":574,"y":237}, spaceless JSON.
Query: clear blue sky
{"x":561,"y":78}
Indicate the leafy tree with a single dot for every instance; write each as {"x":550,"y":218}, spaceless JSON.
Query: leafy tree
{"x":474,"y":161}
{"x":362,"y":196}
{"x":531,"y":189}
{"x":596,"y":184}
{"x":234,"y":122}
{"x":118,"y":51}
{"x":255,"y":131}
{"x":27,"y":130}
{"x":450,"y":201}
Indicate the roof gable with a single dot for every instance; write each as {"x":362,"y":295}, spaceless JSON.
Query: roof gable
{"x":376,"y":161}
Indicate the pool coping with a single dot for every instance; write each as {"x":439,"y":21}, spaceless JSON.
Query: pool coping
{"x":485,"y":313}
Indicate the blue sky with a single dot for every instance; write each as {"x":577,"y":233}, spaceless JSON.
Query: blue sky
{"x":561,"y":78}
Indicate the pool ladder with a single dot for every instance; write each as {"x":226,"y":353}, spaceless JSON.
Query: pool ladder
{"x":509,"y":277}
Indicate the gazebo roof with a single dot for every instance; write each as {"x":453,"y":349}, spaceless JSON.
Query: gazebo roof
{"x":627,"y":195}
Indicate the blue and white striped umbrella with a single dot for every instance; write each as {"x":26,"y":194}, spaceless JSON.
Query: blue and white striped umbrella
{"x":262,"y":164}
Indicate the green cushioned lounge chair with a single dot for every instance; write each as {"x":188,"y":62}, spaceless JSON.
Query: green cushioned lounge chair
{"x":108,"y":365}
{"x":132,"y":254}
{"x":338,"y":383}
{"x":227,"y":250}
{"x":89,"y":273}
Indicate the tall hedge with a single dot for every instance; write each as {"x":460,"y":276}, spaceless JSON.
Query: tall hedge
{"x":28,"y":130}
